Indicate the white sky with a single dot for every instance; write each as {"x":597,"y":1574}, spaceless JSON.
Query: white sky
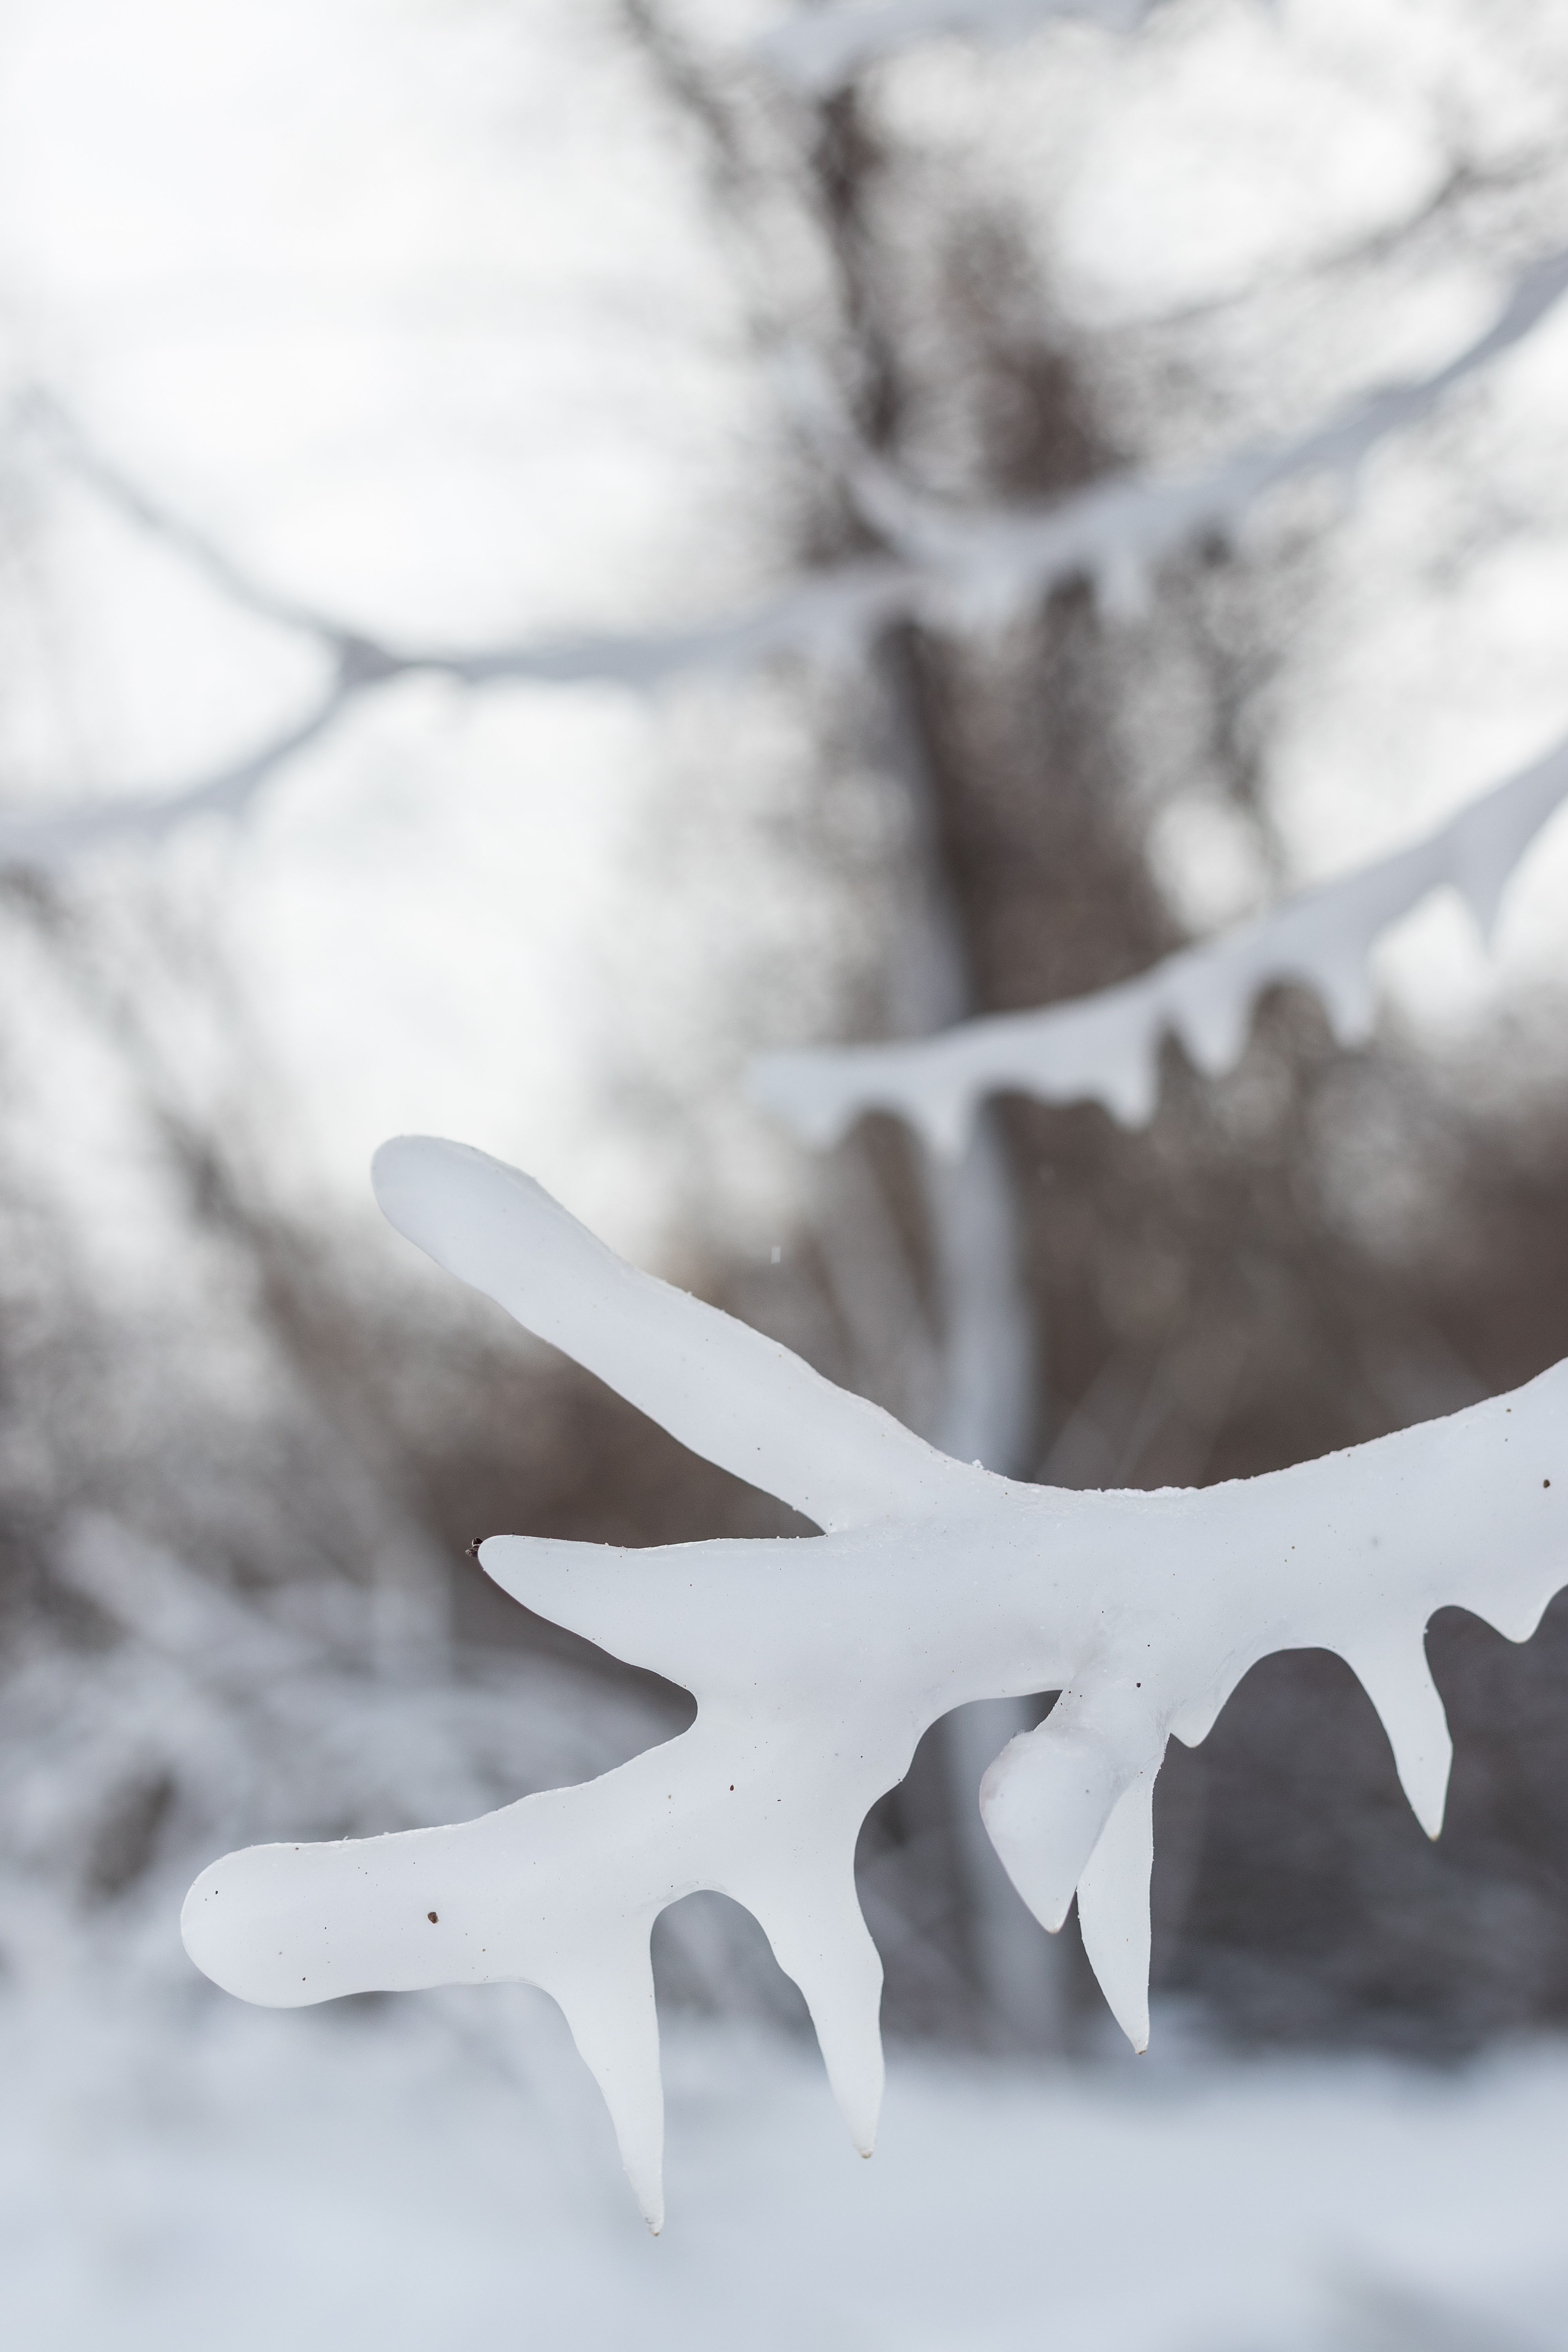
{"x":413,"y":307}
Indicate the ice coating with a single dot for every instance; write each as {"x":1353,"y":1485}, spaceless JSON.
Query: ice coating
{"x":1118,"y":531}
{"x":817,"y":1661}
{"x":950,"y":570}
{"x":822,"y":50}
{"x":1106,"y":1047}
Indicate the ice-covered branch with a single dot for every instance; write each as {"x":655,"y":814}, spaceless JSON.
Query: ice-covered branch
{"x":39,"y":412}
{"x":823,"y":49}
{"x":1117,"y":531}
{"x":820,"y":614}
{"x":818,"y":1662}
{"x":1106,"y":1048}
{"x":949,"y":569}
{"x":38,"y":842}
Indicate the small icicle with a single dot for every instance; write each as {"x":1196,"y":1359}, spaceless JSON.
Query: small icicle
{"x":945,"y":1113}
{"x":1514,"y":1615}
{"x":1487,"y":845}
{"x":1481,"y":887}
{"x":1130,"y":1086}
{"x":1047,"y":1799}
{"x":1392,"y":1669}
{"x":1487,"y":840}
{"x":1210,"y":1011}
{"x":607,"y":2000}
{"x":1344,"y":982}
{"x":1113,"y":1909}
{"x":819,"y":1937}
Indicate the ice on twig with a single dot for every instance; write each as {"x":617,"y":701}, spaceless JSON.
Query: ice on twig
{"x":951,"y":570}
{"x":1117,"y":531}
{"x":818,"y":1663}
{"x":1105,"y":1048}
{"x":49,"y":838}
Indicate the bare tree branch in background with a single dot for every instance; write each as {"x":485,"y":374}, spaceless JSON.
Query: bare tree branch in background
{"x":1106,"y":1047}
{"x":950,"y":571}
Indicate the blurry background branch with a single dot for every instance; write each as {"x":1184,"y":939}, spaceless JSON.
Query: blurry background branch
{"x":1106,"y":1048}
{"x":945,"y":569}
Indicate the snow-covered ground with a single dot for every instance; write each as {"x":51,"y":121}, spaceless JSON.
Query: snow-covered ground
{"x":437,"y":2173}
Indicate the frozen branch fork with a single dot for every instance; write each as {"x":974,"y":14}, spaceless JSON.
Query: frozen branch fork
{"x":818,"y":1662}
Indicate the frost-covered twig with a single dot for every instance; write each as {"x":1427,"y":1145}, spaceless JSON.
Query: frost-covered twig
{"x":823,"y":49}
{"x":1106,"y":1048}
{"x":841,"y":607}
{"x":818,"y":1662}
{"x":37,"y":411}
{"x":950,"y":571}
{"x":55,"y":837}
{"x":1117,"y":531}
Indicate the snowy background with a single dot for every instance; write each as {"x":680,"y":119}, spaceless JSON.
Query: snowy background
{"x":417,"y":311}
{"x":245,"y":2175}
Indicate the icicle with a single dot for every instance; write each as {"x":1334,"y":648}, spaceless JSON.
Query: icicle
{"x":1392,"y":1669}
{"x":607,"y":2001}
{"x":1113,"y":1909}
{"x":1211,"y":1016}
{"x":819,"y":1938}
{"x":1345,"y":985}
{"x":1047,"y":1799}
{"x":1484,"y":844}
{"x":946,"y":1117}
{"x":1129,"y":1086}
{"x":1194,"y":1718}
{"x":1516,"y":1616}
